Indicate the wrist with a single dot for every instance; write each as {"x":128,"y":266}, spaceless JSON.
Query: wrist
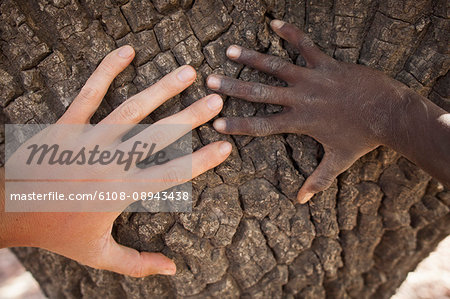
{"x":420,"y":132}
{"x":404,"y":115}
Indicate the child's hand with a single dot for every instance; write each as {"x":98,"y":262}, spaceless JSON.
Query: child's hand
{"x":350,"y":109}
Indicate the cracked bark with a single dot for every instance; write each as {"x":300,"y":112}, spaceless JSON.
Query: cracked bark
{"x":245,"y":237}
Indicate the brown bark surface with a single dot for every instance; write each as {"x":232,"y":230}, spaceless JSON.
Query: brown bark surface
{"x":246,"y":235}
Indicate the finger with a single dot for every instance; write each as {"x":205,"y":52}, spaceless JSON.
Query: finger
{"x":160,"y":177}
{"x":168,"y":130}
{"x":183,"y":169}
{"x":128,"y":261}
{"x":251,"y":91}
{"x":301,"y":41}
{"x":92,"y":93}
{"x":142,"y":104}
{"x":321,"y":179}
{"x":269,"y":64}
{"x":254,"y":126}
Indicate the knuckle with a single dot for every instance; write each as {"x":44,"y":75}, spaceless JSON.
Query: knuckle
{"x":166,"y":85}
{"x":276,"y":65}
{"x":195,"y":115}
{"x":136,"y":269}
{"x":306,"y":42}
{"x":230,"y":86}
{"x":158,"y":136}
{"x":106,"y":68}
{"x":259,"y":91}
{"x":321,"y":183}
{"x":172,"y":175}
{"x":262,"y":128}
{"x":87,"y":93}
{"x":131,"y":110}
{"x":208,"y":158}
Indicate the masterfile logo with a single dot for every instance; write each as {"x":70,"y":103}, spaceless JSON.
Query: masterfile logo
{"x":72,"y":168}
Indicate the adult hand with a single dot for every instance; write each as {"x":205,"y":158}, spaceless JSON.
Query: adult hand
{"x":350,"y":109}
{"x":86,"y":237}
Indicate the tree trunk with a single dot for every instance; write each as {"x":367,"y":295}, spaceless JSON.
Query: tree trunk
{"x":246,"y":235}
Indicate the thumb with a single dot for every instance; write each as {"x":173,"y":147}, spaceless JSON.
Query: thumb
{"x":128,"y":261}
{"x":321,"y":179}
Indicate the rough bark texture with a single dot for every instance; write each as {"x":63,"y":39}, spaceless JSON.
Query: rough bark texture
{"x":245,"y":237}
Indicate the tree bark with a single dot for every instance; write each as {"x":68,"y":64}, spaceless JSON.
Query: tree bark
{"x":246,"y":235}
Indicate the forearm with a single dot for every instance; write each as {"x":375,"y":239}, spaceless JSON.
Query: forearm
{"x":422,"y":134}
{"x":14,"y":228}
{"x":4,"y":218}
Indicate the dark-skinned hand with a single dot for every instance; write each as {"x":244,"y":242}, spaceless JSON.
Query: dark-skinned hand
{"x":350,"y":109}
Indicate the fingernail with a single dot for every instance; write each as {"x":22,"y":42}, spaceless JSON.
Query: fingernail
{"x":234,"y":52}
{"x":214,"y":102}
{"x":186,"y":74}
{"x":125,"y":51}
{"x":225,"y":148}
{"x":213,"y":82}
{"x":277,"y":24}
{"x":306,"y":197}
{"x":219,"y":124}
{"x":169,"y":271}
